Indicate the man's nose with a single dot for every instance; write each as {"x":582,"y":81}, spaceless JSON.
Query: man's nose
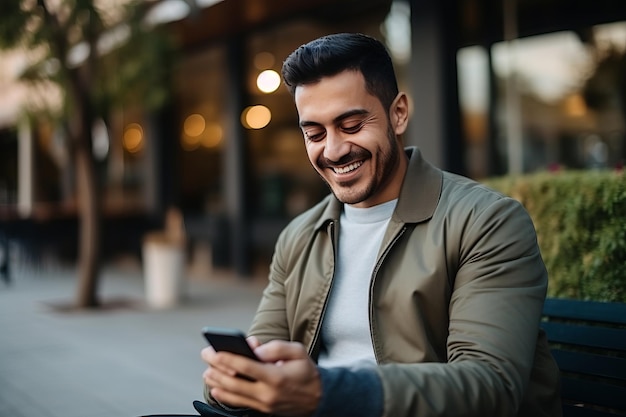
{"x":335,"y":146}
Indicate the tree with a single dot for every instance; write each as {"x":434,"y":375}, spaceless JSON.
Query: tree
{"x":121,"y":59}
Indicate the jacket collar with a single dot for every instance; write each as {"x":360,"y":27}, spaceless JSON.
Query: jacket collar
{"x":419,"y":195}
{"x":421,"y":189}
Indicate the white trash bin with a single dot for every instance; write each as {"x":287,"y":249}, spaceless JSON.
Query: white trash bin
{"x":164,"y":267}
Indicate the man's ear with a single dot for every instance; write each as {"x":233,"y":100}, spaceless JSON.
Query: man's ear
{"x":399,"y":113}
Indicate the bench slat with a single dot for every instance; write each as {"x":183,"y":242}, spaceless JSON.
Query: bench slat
{"x":614,"y":313}
{"x":570,"y":410}
{"x":588,"y":341}
{"x":590,"y":364}
{"x":591,"y":392}
{"x":599,"y":337}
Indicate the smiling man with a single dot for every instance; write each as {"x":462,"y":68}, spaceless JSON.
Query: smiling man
{"x":408,"y":291}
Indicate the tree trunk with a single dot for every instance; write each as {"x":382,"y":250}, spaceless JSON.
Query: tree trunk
{"x":87,"y":193}
{"x":88,"y":200}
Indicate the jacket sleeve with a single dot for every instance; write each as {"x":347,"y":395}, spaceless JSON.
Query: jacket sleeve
{"x":494,"y":313}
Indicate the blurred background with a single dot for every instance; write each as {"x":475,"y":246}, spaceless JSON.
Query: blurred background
{"x":497,"y":87}
{"x":145,"y":143}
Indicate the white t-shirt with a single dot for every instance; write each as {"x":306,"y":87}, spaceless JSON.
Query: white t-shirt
{"x":346,"y":339}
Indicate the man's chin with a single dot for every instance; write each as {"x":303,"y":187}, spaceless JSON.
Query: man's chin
{"x":348,"y":196}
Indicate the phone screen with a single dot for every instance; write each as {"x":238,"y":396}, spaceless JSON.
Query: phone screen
{"x":230,"y":340}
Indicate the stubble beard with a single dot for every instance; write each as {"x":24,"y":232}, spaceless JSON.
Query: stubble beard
{"x":388,"y":160}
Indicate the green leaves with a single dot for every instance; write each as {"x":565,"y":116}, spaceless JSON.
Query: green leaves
{"x":133,"y":70}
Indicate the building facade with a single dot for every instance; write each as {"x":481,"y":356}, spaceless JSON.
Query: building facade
{"x":496,"y":87}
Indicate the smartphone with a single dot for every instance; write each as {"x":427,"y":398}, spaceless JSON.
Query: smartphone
{"x":230,"y":340}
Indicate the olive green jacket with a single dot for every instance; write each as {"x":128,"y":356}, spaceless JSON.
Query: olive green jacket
{"x":455,"y":299}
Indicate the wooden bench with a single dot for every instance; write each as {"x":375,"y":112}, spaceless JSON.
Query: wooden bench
{"x":588,"y":341}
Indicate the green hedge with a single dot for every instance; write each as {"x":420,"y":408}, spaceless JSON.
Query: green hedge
{"x":580,"y":217}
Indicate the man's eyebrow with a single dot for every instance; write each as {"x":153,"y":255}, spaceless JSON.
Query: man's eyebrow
{"x":306,"y":123}
{"x":348,"y":114}
{"x":338,"y":119}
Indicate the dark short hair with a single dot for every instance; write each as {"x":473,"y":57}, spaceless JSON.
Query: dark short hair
{"x":332,"y":54}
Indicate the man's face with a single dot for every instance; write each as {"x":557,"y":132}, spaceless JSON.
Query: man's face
{"x":351,"y":140}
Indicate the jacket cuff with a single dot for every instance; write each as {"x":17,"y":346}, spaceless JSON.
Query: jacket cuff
{"x":350,"y":392}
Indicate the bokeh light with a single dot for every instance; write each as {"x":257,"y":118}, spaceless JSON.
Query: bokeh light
{"x":213,"y":135}
{"x":194,"y":125}
{"x":268,"y":81}
{"x":256,"y":117}
{"x":133,"y":138}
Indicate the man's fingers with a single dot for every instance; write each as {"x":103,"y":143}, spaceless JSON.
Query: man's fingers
{"x":238,"y":401}
{"x":279,"y":350}
{"x":253,"y":342}
{"x":232,"y":389}
{"x":284,"y":381}
{"x":234,"y":365}
{"x":207,"y":353}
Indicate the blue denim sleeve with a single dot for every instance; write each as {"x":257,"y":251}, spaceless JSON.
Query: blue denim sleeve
{"x":348,"y":392}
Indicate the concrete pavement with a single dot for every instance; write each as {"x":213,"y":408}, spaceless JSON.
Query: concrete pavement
{"x":123,"y":360}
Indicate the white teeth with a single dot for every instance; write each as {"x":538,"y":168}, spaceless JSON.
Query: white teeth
{"x":348,"y":168}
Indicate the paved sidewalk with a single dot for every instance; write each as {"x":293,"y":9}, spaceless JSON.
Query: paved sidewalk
{"x":122,"y":361}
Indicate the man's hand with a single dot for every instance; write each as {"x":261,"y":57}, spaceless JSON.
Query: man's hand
{"x":286,"y":382}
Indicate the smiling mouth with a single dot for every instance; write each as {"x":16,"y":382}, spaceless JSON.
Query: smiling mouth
{"x":348,"y":168}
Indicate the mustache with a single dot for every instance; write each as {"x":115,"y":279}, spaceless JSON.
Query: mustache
{"x":353,"y":156}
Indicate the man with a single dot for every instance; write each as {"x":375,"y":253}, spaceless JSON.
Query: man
{"x":407,"y":292}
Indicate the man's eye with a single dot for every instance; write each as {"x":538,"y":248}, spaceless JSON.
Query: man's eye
{"x":352,"y":128}
{"x":314,"y":136}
